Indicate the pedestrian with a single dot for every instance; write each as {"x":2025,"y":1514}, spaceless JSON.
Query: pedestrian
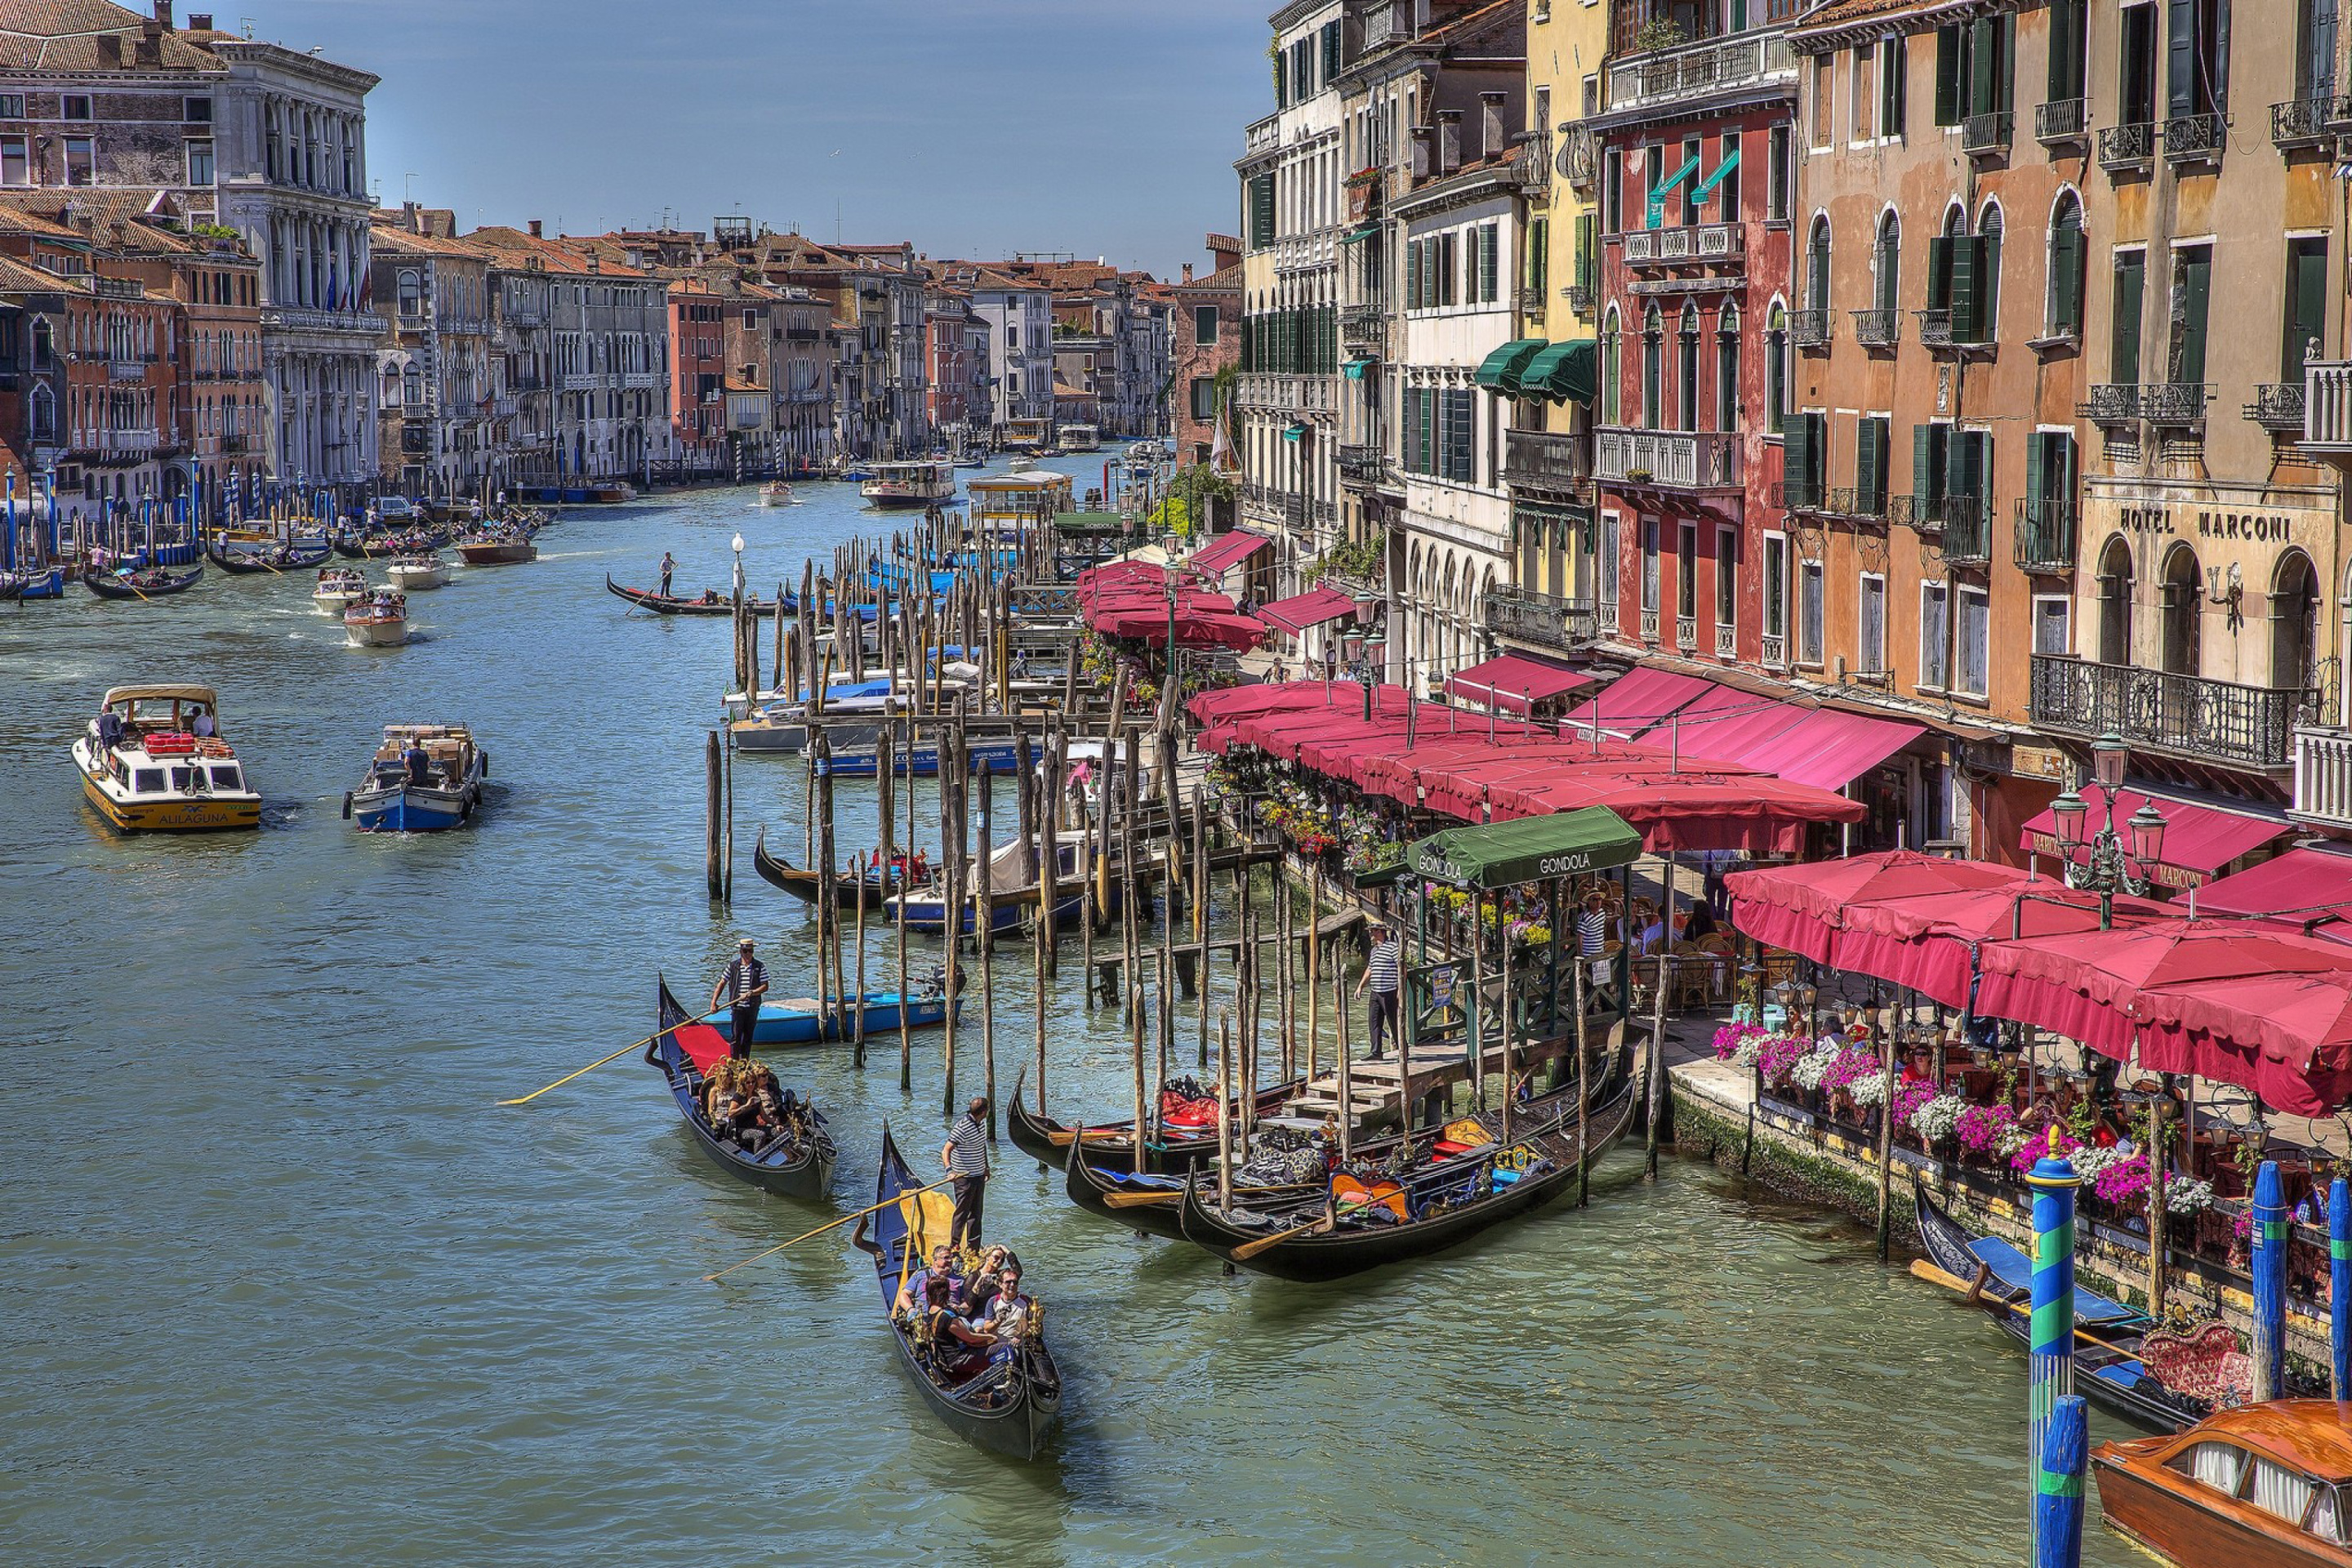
{"x":745,"y":980}
{"x":965,"y":1156}
{"x":668,"y":566}
{"x":1381,"y":976}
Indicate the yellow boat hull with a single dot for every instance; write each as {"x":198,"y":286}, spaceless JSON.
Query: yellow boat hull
{"x":201,"y":814}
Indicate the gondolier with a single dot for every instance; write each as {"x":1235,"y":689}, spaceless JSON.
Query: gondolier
{"x":745,"y":980}
{"x":667,"y":567}
{"x":965,"y":1155}
{"x":1380,"y":974}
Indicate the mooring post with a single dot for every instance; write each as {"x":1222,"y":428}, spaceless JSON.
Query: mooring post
{"x":2339,"y":1287}
{"x":1887,"y":1147}
{"x":987,"y":921}
{"x":2051,"y":1347}
{"x":713,"y":807}
{"x":2268,"y":1271}
{"x":2058,"y":1501}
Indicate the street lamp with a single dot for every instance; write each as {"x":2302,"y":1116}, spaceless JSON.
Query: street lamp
{"x":2120,"y":860}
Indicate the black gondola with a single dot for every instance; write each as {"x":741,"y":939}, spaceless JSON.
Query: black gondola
{"x":1091,"y":1183}
{"x":1313,"y":1251}
{"x":802,"y":1170}
{"x":711,"y":603}
{"x":150,"y":583}
{"x":2107,"y":1364}
{"x":1110,"y":1143}
{"x":278,"y":559}
{"x":1009,"y":1407}
{"x":848,"y":892}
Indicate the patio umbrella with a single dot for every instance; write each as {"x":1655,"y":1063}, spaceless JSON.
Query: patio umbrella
{"x":1801,"y":907}
{"x":1927,"y":942}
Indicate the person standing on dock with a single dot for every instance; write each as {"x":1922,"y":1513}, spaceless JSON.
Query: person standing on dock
{"x":745,"y":980}
{"x":668,"y":567}
{"x":1380,"y":974}
{"x":965,"y":1155}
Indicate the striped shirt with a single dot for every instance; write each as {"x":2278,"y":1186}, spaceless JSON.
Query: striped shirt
{"x":967,"y":1147}
{"x":744,"y":974}
{"x":1591,"y":932}
{"x":1381,"y":967}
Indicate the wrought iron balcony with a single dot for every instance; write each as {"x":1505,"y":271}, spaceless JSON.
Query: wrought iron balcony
{"x":2173,"y":403}
{"x":2112,"y":403}
{"x":1699,"y":242}
{"x":1935,"y":328}
{"x":2193,"y":138}
{"x":1810,"y":329}
{"x":1362,"y":464}
{"x":2061,"y":120}
{"x":1579,"y":160}
{"x":1542,"y":460}
{"x":1987,"y":132}
{"x":1852,"y":500}
{"x":1799,"y":495}
{"x":1672,"y":459}
{"x":2277,"y":406}
{"x":1362,"y":325}
{"x":1938,"y":514}
{"x":1532,"y":303}
{"x":1700,"y":70}
{"x":2328,"y":406}
{"x":2301,"y":121}
{"x":1967,"y":530}
{"x":2124,"y":147}
{"x":1541,"y":620}
{"x":2323,"y":777}
{"x":1877,"y":328}
{"x":2043,"y":534}
{"x":2183,"y":715}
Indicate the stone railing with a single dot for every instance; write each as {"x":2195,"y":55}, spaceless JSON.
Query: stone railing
{"x":2323,"y":777}
{"x":1540,"y":619}
{"x":1699,"y":70}
{"x":1669,"y":458}
{"x":1541,"y":459}
{"x":1699,"y":242}
{"x":2327,"y":405}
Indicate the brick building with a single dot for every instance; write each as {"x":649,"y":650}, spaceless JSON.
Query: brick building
{"x":1207,"y":341}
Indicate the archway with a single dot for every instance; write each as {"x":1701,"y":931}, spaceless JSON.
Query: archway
{"x":2294,"y":623}
{"x":2183,"y":651}
{"x":2115,"y":588}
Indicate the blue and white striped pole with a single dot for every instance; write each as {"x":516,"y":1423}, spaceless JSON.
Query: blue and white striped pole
{"x":2052,"y":1339}
{"x":2270,"y":1284}
{"x":2058,"y":1483}
{"x":2339,"y":1287}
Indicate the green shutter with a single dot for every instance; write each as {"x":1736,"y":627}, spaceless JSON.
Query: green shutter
{"x":1966,"y":249}
{"x":1427,"y":397}
{"x":1984,"y":64}
{"x":1489,"y":259}
{"x":1988,"y":266}
{"x":1866,"y":461}
{"x":1330,"y":50}
{"x":1939,"y":272}
{"x":1947,"y":74}
{"x":2123,"y":357}
{"x":1797,"y":461}
{"x":2196,"y":280}
{"x":2064,"y":24}
{"x":2061,"y":488}
{"x":2180,"y":58}
{"x":2036,"y":475}
{"x":1890,"y":91}
{"x":1922,"y":459}
{"x":1584,"y":250}
{"x":2066,"y":265}
{"x":2306,"y":286}
{"x":1540,"y":255}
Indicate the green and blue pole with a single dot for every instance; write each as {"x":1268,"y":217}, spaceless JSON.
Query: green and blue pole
{"x":2339,"y":1286}
{"x":2270,"y":1283}
{"x":2058,"y":1484}
{"x":2051,"y":1338}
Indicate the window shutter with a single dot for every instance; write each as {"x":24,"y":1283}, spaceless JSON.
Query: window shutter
{"x":1428,"y":398}
{"x":2196,"y":276}
{"x":2180,"y":58}
{"x":1539,"y":254}
{"x":2123,"y":357}
{"x":1984,"y":64}
{"x":1281,"y":81}
{"x":1330,"y":50}
{"x":1928,"y":448}
{"x":1867,"y":434}
{"x":1966,"y":250}
{"x":2307,"y":302}
{"x":2064,"y":23}
{"x":1489,"y":257}
{"x":1947,"y":74}
{"x":1584,"y":229}
{"x":1890,"y":89}
{"x":2066,"y":282}
{"x":1988,"y":276}
{"x":1797,"y":460}
{"x":2036,"y":475}
{"x":1939,"y":272}
{"x":2059,"y":476}
{"x":1412,"y":274}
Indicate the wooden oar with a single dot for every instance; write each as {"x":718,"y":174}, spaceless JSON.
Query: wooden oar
{"x":624,"y":1050}
{"x":834,"y":1224}
{"x":1140,"y":1200}
{"x":1250,"y":1249}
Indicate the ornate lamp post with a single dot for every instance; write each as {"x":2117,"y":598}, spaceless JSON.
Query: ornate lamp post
{"x":2121,"y":859}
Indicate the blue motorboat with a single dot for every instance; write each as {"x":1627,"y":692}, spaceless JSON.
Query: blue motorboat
{"x":920,"y":761}
{"x":424,"y":778}
{"x":802,"y":1021}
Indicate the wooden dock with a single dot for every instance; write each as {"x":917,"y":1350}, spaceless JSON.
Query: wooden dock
{"x":1375,"y":1083}
{"x":1330,"y":928}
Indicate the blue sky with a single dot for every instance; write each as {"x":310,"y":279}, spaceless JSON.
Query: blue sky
{"x":1105,"y":129}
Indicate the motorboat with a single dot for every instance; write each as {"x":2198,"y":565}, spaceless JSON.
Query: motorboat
{"x":2261,"y":1484}
{"x":338,"y":586}
{"x":153,"y":760}
{"x":378,"y":619}
{"x":909,"y":484}
{"x":506,"y":545}
{"x":422,"y":778}
{"x":1079,"y":438}
{"x":775,"y":492}
{"x":409,"y":572}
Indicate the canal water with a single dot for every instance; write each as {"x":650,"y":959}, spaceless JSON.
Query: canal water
{"x":279,"y":1280}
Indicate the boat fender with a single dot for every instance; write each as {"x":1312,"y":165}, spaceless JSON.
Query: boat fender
{"x":347,"y":805}
{"x":486,"y":764}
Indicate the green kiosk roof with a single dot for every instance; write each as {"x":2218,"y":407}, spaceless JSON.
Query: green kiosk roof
{"x":1527,"y":849}
{"x":1499,"y":371}
{"x":1563,"y":372}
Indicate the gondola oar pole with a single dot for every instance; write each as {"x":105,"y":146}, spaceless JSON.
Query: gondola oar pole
{"x":624,"y":1050}
{"x":831,"y":1224}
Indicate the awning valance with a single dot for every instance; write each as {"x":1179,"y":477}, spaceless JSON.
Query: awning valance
{"x":1499,"y":371}
{"x":1358,"y":236}
{"x":1312,"y":608}
{"x":1295,"y":431}
{"x":1527,"y":849}
{"x":1510,"y":683}
{"x":2302,"y":885}
{"x":1563,"y":372}
{"x":2199,"y":840}
{"x":1227,"y":551}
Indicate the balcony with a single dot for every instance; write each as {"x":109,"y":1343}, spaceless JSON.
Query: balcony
{"x":2193,"y":139}
{"x":1542,"y":460}
{"x":2044,"y":535}
{"x":1362,"y":465}
{"x":1532,"y":303}
{"x":2126,"y":147}
{"x":1968,"y":531}
{"x":2277,"y":406}
{"x":1580,"y":159}
{"x":2323,"y":778}
{"x":2304,"y":121}
{"x":1700,"y":70}
{"x":1363,"y":326}
{"x":1852,"y":500}
{"x":801,"y":334}
{"x":1580,"y":299}
{"x":2328,"y":406}
{"x":1687,"y":634}
{"x":1667,"y":459}
{"x":2112,"y":404}
{"x":1986,"y":133}
{"x":1542,"y":620}
{"x":1877,"y":328}
{"x":1699,"y":242}
{"x":1810,"y":329}
{"x":1727,"y":641}
{"x":1386,"y":25}
{"x":1940,"y":514}
{"x":2183,"y":715}
{"x":1935,"y":328}
{"x":2173,"y":403}
{"x":1262,"y":136}
{"x":2060,"y":120}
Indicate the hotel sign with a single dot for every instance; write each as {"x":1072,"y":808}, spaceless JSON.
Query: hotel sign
{"x":2208,"y":522}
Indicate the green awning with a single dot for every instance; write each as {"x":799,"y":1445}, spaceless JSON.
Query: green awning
{"x":1295,"y":431}
{"x":1354,"y":369}
{"x":1089,"y":522}
{"x":1563,"y":372}
{"x":1499,"y":371}
{"x":1355,"y":235}
{"x":1527,"y":849}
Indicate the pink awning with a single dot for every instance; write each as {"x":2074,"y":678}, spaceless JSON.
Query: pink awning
{"x":1830,"y":747}
{"x":1226,"y":551}
{"x":1312,"y":608}
{"x":2199,"y":840}
{"x":1641,"y":697}
{"x":2302,"y":885}
{"x":1511,"y":682}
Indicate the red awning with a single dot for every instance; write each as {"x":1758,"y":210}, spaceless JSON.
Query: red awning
{"x":2199,"y":840}
{"x":2302,"y":885}
{"x":1226,"y":551}
{"x":1312,"y":608}
{"x":1830,"y":747}
{"x":1127,"y":599}
{"x":1512,"y":683}
{"x":1802,"y":907}
{"x":1641,"y":698}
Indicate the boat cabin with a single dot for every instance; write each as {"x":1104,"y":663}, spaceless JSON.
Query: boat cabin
{"x":448,"y":748}
{"x":1028,"y":435}
{"x":1005,"y":506}
{"x":2261,"y":1484}
{"x":1080,"y":438}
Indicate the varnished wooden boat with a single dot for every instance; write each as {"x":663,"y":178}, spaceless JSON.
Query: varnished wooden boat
{"x":848,"y":892}
{"x":1092,"y":1183}
{"x":802,"y":1170}
{"x":1011,"y":1407}
{"x":2258,"y":1487}
{"x":151,"y":583}
{"x":712,"y":603}
{"x":1447,"y":1194}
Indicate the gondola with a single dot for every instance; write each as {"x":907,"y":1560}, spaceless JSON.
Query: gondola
{"x":712,"y":603}
{"x":848,"y":892}
{"x":108,"y":586}
{"x":2107,"y":1364}
{"x":1110,"y":1143}
{"x":1091,"y":1182}
{"x":278,"y":559}
{"x":1011,"y":1408}
{"x":1313,"y":1252}
{"x":683,"y":1052}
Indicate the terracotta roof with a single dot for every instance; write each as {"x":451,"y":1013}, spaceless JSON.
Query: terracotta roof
{"x":22,"y":278}
{"x":515,"y":250}
{"x":386,"y":235}
{"x":62,"y":36}
{"x":29,"y":213}
{"x":1223,"y":280}
{"x":1838,"y":12}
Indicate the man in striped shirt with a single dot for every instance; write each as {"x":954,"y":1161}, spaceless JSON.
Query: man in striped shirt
{"x":1380,"y":974}
{"x":965,"y":1155}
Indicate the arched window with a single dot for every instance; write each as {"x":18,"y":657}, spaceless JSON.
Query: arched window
{"x":1775,"y":368}
{"x":1886,"y":264}
{"x":1988,"y":261}
{"x":2294,"y":622}
{"x":392,"y":385}
{"x":2184,"y":613}
{"x":1817,"y":265}
{"x":1653,"y":335}
{"x":1726,"y":368}
{"x":2063,"y":308}
{"x":412,"y":382}
{"x":1613,"y":367}
{"x":2115,"y":587}
{"x":1687,"y":367}
{"x":411,"y":293}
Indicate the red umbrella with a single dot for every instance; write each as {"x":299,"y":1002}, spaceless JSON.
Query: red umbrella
{"x":1800,"y":908}
{"x":1927,"y":941}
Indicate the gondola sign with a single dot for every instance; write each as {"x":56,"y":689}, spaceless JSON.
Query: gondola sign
{"x":1528,"y":849}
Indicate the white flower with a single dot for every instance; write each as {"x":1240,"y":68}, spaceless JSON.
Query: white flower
{"x":1807,"y":1073}
{"x":2090,"y":1161}
{"x":1869,"y":1088}
{"x":1937,"y":1119}
{"x":2186,"y":1195}
{"x":1751,"y":1052}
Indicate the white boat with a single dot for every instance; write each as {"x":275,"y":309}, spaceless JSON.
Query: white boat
{"x":409,"y":572}
{"x":438,"y":787}
{"x":338,"y":586}
{"x":380,"y":620}
{"x":1079,"y":438}
{"x":775,"y":492}
{"x":909,"y":484}
{"x":148,"y":765}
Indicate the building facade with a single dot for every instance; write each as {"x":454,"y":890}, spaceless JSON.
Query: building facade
{"x":1207,"y":334}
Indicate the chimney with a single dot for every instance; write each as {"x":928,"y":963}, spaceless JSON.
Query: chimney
{"x":1490,"y":124}
{"x":200,"y":21}
{"x":534,"y":229}
{"x":1188,"y":272}
{"x":148,"y":49}
{"x":411,"y":218}
{"x":163,"y":15}
{"x":110,"y":50}
{"x":1421,"y":138}
{"x":1449,"y":140}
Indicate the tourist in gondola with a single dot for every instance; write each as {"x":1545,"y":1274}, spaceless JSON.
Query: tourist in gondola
{"x":965,"y":1157}
{"x":941,"y":1266}
{"x":1384,"y":1017}
{"x":987,"y":1282}
{"x":745,"y":980}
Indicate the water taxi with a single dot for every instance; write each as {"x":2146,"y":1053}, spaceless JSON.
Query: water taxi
{"x":1034,"y":436}
{"x":338,"y":586}
{"x":775,"y":492}
{"x":378,"y":619}
{"x":154,"y":762}
{"x":423,"y":778}
{"x":409,"y":572}
{"x":2262,"y":1486}
{"x":909,"y":485}
{"x":1080,"y":438}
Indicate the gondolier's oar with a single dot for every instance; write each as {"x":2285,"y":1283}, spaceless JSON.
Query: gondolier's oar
{"x":835,"y":1225}
{"x":624,"y":1050}
{"x":1250,"y":1249}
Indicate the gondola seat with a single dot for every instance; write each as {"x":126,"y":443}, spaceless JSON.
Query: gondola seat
{"x":2204,"y":1364}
